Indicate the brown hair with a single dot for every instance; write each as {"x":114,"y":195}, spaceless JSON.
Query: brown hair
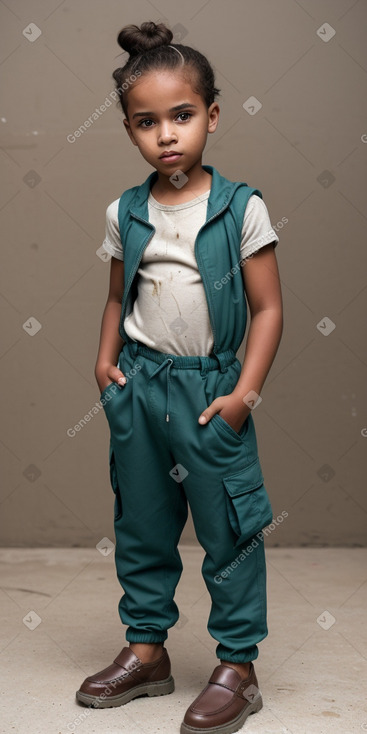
{"x":149,"y":49}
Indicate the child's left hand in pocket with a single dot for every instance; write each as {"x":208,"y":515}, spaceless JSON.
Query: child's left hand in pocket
{"x":230,"y":407}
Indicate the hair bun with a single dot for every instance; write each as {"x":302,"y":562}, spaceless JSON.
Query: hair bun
{"x":150,"y":35}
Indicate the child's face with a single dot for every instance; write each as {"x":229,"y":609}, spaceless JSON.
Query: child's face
{"x":162,"y":129}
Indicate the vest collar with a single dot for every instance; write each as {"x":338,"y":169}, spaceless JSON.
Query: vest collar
{"x":222,"y":190}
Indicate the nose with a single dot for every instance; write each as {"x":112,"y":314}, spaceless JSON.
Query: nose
{"x":166,"y":133}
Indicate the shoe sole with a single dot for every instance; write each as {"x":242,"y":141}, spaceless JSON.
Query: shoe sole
{"x":156,"y":688}
{"x":228,"y":728}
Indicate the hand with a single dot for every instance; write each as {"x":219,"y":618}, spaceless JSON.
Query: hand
{"x":230,"y":407}
{"x":106,"y":374}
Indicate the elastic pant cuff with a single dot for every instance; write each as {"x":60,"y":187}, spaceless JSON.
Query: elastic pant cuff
{"x":237,"y":656}
{"x":133,"y":635}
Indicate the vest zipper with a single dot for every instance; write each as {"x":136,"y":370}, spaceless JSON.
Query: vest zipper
{"x":209,"y":300}
{"x":134,"y":269}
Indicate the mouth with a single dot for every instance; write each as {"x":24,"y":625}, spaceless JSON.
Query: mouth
{"x":170,"y":157}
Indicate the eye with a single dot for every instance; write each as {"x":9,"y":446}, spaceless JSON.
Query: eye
{"x":140,"y":124}
{"x":148,"y":120}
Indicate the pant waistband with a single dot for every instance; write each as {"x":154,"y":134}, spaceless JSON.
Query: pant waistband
{"x":221,"y":360}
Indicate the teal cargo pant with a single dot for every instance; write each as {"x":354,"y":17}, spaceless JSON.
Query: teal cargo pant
{"x":161,"y":459}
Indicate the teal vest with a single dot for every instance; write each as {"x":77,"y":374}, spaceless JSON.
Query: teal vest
{"x":217,"y":252}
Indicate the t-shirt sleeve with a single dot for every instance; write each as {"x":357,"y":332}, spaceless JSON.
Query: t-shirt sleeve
{"x":256,"y":230}
{"x":112,"y":241}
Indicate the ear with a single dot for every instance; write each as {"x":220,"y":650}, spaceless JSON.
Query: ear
{"x":213,"y":117}
{"x":129,"y":131}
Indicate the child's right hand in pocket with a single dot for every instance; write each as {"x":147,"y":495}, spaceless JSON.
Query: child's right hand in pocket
{"x":108,"y":374}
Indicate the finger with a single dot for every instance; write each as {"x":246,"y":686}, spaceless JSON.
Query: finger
{"x":204,"y":417}
{"x":118,"y":376}
{"x":207,"y":414}
{"x":211,"y":410}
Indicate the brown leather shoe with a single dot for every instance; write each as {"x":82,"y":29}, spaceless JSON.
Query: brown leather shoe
{"x":224,"y":704}
{"x":125,"y":679}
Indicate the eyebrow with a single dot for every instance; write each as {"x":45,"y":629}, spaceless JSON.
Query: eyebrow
{"x":178,"y":107}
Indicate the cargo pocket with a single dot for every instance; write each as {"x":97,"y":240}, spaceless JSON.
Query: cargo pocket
{"x":248,"y":504}
{"x":114,"y":485}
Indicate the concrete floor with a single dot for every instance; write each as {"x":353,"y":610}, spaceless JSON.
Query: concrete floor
{"x":59,"y":623}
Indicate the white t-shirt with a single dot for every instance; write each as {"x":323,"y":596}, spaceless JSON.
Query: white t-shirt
{"x":170,"y":313}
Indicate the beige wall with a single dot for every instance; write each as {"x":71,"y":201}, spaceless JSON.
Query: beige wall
{"x":305,"y":149}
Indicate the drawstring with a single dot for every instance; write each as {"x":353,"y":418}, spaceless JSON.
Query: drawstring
{"x":168,"y":387}
{"x":163,"y":364}
{"x":205,"y":363}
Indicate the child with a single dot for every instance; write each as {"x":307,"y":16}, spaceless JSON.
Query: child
{"x":177,"y":402}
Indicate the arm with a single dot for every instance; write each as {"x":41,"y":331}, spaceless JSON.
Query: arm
{"x":261,"y":280}
{"x":110,"y":343}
